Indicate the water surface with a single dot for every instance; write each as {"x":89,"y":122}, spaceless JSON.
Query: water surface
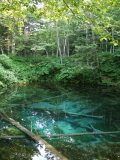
{"x":49,"y":109}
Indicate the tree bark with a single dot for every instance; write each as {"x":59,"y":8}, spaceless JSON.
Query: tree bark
{"x":13,"y":43}
{"x":2,"y":50}
{"x":8,"y":45}
{"x":113,"y":47}
{"x":58,"y":43}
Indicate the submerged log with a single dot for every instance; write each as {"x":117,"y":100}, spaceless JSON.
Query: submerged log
{"x":35,"y":137}
{"x":85,"y":115}
{"x":60,"y":111}
{"x":12,"y":137}
{"x":64,"y":135}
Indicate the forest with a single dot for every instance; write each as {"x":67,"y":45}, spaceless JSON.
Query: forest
{"x":70,"y":42}
{"x":59,"y":79}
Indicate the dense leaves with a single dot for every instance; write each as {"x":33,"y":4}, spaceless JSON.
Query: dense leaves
{"x":24,"y":70}
{"x":63,"y":41}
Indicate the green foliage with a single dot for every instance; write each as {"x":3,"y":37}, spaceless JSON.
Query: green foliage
{"x":14,"y":70}
{"x":47,"y":68}
{"x":12,"y":131}
{"x":85,"y":48}
{"x":7,"y":77}
{"x":6,"y":61}
{"x":73,"y":70}
{"x":23,"y":71}
{"x":16,"y":149}
{"x":2,"y":84}
{"x":110,"y":67}
{"x":75,"y":73}
{"x":23,"y":45}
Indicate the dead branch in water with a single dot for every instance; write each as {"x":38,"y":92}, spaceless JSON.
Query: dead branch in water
{"x":60,"y":111}
{"x":64,"y":135}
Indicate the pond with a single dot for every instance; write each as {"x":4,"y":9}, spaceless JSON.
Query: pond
{"x":49,"y":109}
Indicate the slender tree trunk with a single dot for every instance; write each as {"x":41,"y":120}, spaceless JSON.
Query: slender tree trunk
{"x":46,"y":52}
{"x":8,"y":45}
{"x":68,"y":49}
{"x":110,"y":49}
{"x":65,"y":43}
{"x":98,"y":67}
{"x":106,"y":46}
{"x":93,"y":37}
{"x":64,"y":46}
{"x":87,"y":43}
{"x":13,"y":43}
{"x":113,"y":47}
{"x":96,"y":57}
{"x":58,"y":43}
{"x":51,"y":36}
{"x":57,"y":53}
{"x":2,"y":50}
{"x":86,"y":35}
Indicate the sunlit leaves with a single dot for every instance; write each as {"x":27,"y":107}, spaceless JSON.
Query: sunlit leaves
{"x":95,"y":12}
{"x":13,"y":12}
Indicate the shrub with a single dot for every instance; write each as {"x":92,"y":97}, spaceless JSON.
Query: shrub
{"x":6,"y":61}
{"x":110,"y":65}
{"x":7,"y":76}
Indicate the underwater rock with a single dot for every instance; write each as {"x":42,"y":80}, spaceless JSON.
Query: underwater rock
{"x":70,"y":106}
{"x":65,"y":127}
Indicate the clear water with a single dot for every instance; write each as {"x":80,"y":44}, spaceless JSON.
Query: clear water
{"x":49,"y":109}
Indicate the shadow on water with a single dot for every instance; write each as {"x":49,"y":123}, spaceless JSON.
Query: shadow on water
{"x":50,"y":109}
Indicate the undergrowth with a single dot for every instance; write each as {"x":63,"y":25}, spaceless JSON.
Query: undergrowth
{"x":29,"y":69}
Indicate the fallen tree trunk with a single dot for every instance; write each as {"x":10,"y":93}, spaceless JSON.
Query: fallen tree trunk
{"x":12,"y":137}
{"x":60,"y":111}
{"x":35,"y":137}
{"x":85,"y":115}
{"x":64,"y":135}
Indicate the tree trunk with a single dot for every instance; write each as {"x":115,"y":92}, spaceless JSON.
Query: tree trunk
{"x":68,"y":49}
{"x":2,"y":50}
{"x":8,"y":46}
{"x":13,"y":43}
{"x":65,"y":43}
{"x":46,"y":52}
{"x":63,"y":135}
{"x":106,"y":46}
{"x":113,"y":47}
{"x":87,"y":30}
{"x":58,"y":43}
{"x":93,"y":36}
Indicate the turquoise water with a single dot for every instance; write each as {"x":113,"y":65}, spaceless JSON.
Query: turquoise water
{"x":50,"y":109}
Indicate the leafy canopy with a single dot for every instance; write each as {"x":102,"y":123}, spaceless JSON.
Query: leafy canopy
{"x":89,"y":12}
{"x":14,"y":11}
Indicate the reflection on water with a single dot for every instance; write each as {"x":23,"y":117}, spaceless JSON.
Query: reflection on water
{"x":48,"y":110}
